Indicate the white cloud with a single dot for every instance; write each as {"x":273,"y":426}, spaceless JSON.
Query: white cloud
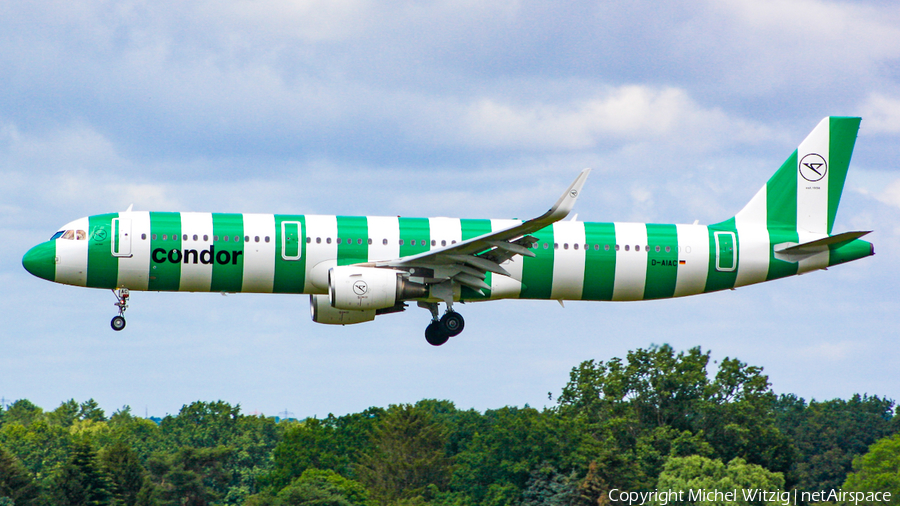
{"x":881,"y":114}
{"x":890,"y":195}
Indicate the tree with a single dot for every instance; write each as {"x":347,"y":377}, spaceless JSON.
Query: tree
{"x":189,"y":477}
{"x":877,"y":471}
{"x":16,"y":483}
{"x":90,"y":410}
{"x":322,"y":488}
{"x":711,"y":475}
{"x":830,"y":434}
{"x":80,"y":482}
{"x":407,"y":455}
{"x":124,"y":472}
{"x":657,"y":404}
{"x":22,"y":412}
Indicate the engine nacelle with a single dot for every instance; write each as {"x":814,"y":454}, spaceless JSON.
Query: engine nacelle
{"x":321,"y":311}
{"x":360,"y":288}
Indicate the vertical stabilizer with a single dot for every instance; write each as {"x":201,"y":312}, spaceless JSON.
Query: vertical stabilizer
{"x":804,"y":194}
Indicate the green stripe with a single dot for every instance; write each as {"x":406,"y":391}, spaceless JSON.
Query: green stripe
{"x":414,"y":230}
{"x":290,"y":275}
{"x":779,"y":268}
{"x":103,"y":267}
{"x":165,"y":276}
{"x":662,"y":266}
{"x":853,"y":250}
{"x":353,"y":235}
{"x":600,"y":263}
{"x":716,"y":279}
{"x":781,"y":196}
{"x":470,"y":229}
{"x":228,"y":277}
{"x":537,"y":272}
{"x":842,"y":137}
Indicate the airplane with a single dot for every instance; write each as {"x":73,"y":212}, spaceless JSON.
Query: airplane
{"x":355,"y":268}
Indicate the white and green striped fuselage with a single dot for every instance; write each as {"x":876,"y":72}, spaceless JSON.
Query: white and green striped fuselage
{"x":355,"y":268}
{"x":265,"y":253}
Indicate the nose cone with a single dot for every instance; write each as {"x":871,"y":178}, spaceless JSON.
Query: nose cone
{"x":41,"y":260}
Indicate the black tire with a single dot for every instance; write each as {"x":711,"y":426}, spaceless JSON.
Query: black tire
{"x":452,"y":323}
{"x":117,"y":323}
{"x":435,"y":335}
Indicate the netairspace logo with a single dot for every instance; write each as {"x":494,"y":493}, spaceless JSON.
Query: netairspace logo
{"x":751,"y":495}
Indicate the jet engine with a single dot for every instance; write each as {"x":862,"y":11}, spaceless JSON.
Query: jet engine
{"x":369,"y":288}
{"x":321,"y":311}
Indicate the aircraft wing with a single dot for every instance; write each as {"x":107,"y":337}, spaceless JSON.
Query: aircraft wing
{"x":467,"y":262}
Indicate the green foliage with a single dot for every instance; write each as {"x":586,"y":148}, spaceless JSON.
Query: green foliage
{"x":16,"y":483}
{"x":325,"y":488}
{"x":407,"y":455}
{"x":830,"y":434}
{"x":657,"y":418}
{"x":80,"y":482}
{"x":878,"y":470}
{"x":658,"y":404}
{"x":710,"y":475}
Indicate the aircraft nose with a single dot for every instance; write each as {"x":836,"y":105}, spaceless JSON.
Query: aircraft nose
{"x":41,"y":261}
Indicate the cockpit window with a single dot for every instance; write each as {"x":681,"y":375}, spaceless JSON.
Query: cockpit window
{"x":80,"y":235}
{"x":57,"y":235}
{"x":70,"y":234}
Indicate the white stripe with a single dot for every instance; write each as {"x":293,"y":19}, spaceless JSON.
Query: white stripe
{"x":812,"y":197}
{"x":381,"y":228}
{"x":507,"y":287}
{"x":133,"y":271}
{"x":693,"y":249}
{"x":568,"y":262}
{"x":196,"y":277}
{"x":753,"y":241}
{"x":73,"y":255}
{"x":444,"y":229}
{"x":259,"y":257}
{"x":320,"y":229}
{"x":631,"y":265}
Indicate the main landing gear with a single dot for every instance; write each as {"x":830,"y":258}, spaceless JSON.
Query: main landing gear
{"x":118,"y":322}
{"x":441,"y":329}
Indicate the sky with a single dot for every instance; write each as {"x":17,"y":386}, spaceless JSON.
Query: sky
{"x":458,"y":108}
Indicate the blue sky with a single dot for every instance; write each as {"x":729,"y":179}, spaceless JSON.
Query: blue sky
{"x":468,"y":109}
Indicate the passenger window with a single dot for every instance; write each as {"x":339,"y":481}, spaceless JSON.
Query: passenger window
{"x":545,"y":246}
{"x":566,"y":246}
{"x":246,"y":238}
{"x":668,"y":249}
{"x":637,"y":248}
{"x":605,"y":247}
{"x":556,"y":245}
{"x":143,"y":237}
{"x":338,"y":240}
{"x":205,"y":237}
{"x":359,"y":241}
{"x":384,"y":242}
{"x":165,"y":237}
{"x":433,"y":242}
{"x":576,"y":245}
{"x":318,"y":240}
{"x":225,"y":238}
{"x":308,"y":240}
{"x":617,"y":247}
{"x":256,"y":239}
{"x":184,"y":238}
{"x":443,"y":242}
{"x":153,"y":237}
{"x":215,"y":238}
{"x":657,"y":249}
{"x":328,"y":240}
{"x":627,"y":248}
{"x":454,"y":242}
{"x":401,"y":242}
{"x":195,"y":237}
{"x":267,"y":238}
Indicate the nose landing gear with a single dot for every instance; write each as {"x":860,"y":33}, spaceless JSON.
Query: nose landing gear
{"x":118,"y":322}
{"x":440,"y":330}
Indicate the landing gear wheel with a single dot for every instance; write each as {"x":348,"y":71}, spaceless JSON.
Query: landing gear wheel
{"x":117,"y":323}
{"x":452,"y":323}
{"x":435,"y":335}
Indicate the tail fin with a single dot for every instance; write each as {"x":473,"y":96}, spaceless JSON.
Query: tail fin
{"x":805,"y":192}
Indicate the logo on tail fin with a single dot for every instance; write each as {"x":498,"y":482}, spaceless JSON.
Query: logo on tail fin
{"x":813,"y":167}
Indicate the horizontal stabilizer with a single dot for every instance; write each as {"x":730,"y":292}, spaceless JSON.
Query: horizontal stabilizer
{"x":818,"y":245}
